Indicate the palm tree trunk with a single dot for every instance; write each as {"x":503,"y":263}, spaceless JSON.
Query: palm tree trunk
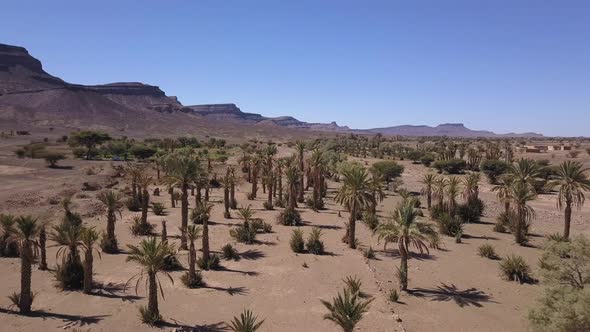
{"x":43,"y":249}
{"x":207,"y":192}
{"x":507,"y":207}
{"x":270,"y":193}
{"x":205,"y":239}
{"x":111,"y":217}
{"x":352,"y":227}
{"x":184,"y":216}
{"x":88,"y":260}
{"x":153,"y":295}
{"x":226,"y":201}
{"x":198,"y":196}
{"x":192,"y":257}
{"x":568,"y":220}
{"x":25,"y":278}
{"x":164,"y":232}
{"x":254,"y":183}
{"x":429,"y":199}
{"x":145,"y":199}
{"x":280,"y":187}
{"x":403,"y":270}
{"x":172,"y":201}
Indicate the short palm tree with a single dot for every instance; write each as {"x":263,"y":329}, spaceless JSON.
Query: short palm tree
{"x":112,"y":200}
{"x":524,"y":171}
{"x":356,"y":194}
{"x":346,"y":309}
{"x":503,"y":190}
{"x":182,"y":168}
{"x":522,"y":213}
{"x":429,"y":181}
{"x":406,"y":231}
{"x":293,"y":178}
{"x":440,"y":187}
{"x":88,"y":241}
{"x":452,"y":191}
{"x":151,"y":256}
{"x":68,"y":237}
{"x":26,"y":229}
{"x":7,"y":223}
{"x":572,"y":181}
{"x":300,"y":147}
{"x":471,"y":187}
{"x":193,"y":233}
{"x":247,"y":322}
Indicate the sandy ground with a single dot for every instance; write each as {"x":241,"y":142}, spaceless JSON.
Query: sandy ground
{"x":452,"y":289}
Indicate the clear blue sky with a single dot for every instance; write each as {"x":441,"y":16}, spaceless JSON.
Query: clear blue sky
{"x":501,"y":65}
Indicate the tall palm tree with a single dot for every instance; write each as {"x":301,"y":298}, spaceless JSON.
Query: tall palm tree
{"x":503,"y":190}
{"x":25,"y":231}
{"x":112,"y":201}
{"x":318,"y":164}
{"x":572,"y":181}
{"x":207,"y":207}
{"x":522,"y":214}
{"x":182,"y":168}
{"x":355,"y":193}
{"x":193,"y":233}
{"x":43,"y":246}
{"x":255,"y":162}
{"x":151,"y":254}
{"x":440,"y":187}
{"x":279,"y":169}
{"x":377,"y":191}
{"x":406,"y":231}
{"x":293,"y":178}
{"x":525,"y":171}
{"x":88,"y":240}
{"x":300,"y":147}
{"x":452,"y":191}
{"x":144,"y":182}
{"x":429,"y":181}
{"x":232,"y":188}
{"x":226,"y":189}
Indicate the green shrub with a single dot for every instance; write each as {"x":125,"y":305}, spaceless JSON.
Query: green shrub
{"x":353,"y":284}
{"x":139,"y":228}
{"x":388,"y":169}
{"x":196,"y":282}
{"x":247,"y":322}
{"x":450,"y":226}
{"x":451,"y":166}
{"x":266,"y":227}
{"x":494,"y":169}
{"x":514,"y":268}
{"x":109,"y":246}
{"x":487,"y":251}
{"x":243,"y":234}
{"x":171,"y":263}
{"x":159,"y":209}
{"x":201,"y":213}
{"x":314,"y":243}
{"x":53,"y":157}
{"x":369,"y":253}
{"x":211,"y":264}
{"x":561,"y":309}
{"x":133,"y":205}
{"x":370,"y":220}
{"x":471,"y":211}
{"x":557,"y":237}
{"x":229,"y":252}
{"x":297,"y":243}
{"x":427,"y":159}
{"x":289,"y":217}
{"x":393,"y":295}
{"x":15,"y":298}
{"x":69,"y":275}
{"x":147,"y":317}
{"x":268,"y":205}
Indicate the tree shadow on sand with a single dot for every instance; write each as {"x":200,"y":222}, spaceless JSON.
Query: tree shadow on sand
{"x":113,"y":291}
{"x":394,"y":253}
{"x":230,"y":290}
{"x":445,"y":293}
{"x":70,"y":321}
{"x":248,"y":273}
{"x":252,"y":254}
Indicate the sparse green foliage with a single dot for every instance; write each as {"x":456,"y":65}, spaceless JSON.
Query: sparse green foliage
{"x":246,"y":322}
{"x":297,"y":243}
{"x":487,"y":251}
{"x":514,"y":268}
{"x":229,"y":252}
{"x":346,"y":309}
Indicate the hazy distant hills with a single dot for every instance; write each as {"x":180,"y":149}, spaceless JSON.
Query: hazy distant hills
{"x":30,"y":96}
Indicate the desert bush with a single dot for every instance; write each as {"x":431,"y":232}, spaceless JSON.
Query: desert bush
{"x":159,"y":209}
{"x":566,"y":262}
{"x":211,"y":264}
{"x":133,"y":205}
{"x":257,"y":224}
{"x":147,"y":317}
{"x":266,"y":227}
{"x":353,"y":284}
{"x":201,"y":213}
{"x":314,"y":243}
{"x":15,"y":299}
{"x":514,"y":268}
{"x":289,"y":217}
{"x":427,"y":159}
{"x":370,"y":220}
{"x":471,"y":211}
{"x":228,"y":252}
{"x":243,"y":234}
{"x":296,"y":242}
{"x":393,"y":295}
{"x":171,"y":263}
{"x":369,"y":253}
{"x":451,"y":166}
{"x":487,"y":251}
{"x":268,"y":205}
{"x":195,"y":282}
{"x":69,"y":274}
{"x":557,"y":237}
{"x":53,"y":157}
{"x":449,"y":225}
{"x":109,"y":246}
{"x":494,"y":169}
{"x":249,"y":196}
{"x":139,"y":228}
{"x":387,"y":169}
{"x":573,"y":154}
{"x":247,"y":322}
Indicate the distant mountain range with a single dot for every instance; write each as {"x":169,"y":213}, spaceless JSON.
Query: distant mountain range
{"x":32,"y":97}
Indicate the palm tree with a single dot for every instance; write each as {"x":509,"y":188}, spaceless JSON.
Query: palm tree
{"x":524,"y":171}
{"x":68,"y":236}
{"x":440,"y":187}
{"x":88,"y":239}
{"x":24,"y":233}
{"x":206,"y":252}
{"x":233,"y":180}
{"x":503,"y":190}
{"x":572,"y":182}
{"x":112,"y":201}
{"x":429,"y":181}
{"x":182,"y":169}
{"x":293,"y":179}
{"x":471,"y":187}
{"x":151,"y":255}
{"x":406,"y":231}
{"x":7,"y":222}
{"x":300,"y":147}
{"x":355,"y":193}
{"x":255,"y":161}
{"x":318,"y":164}
{"x":144,"y":182}
{"x":452,"y":191}
{"x":377,"y":191}
{"x":42,"y":246}
{"x":521,"y":193}
{"x":135,"y":171}
{"x":193,"y":233}
{"x":346,"y":309}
